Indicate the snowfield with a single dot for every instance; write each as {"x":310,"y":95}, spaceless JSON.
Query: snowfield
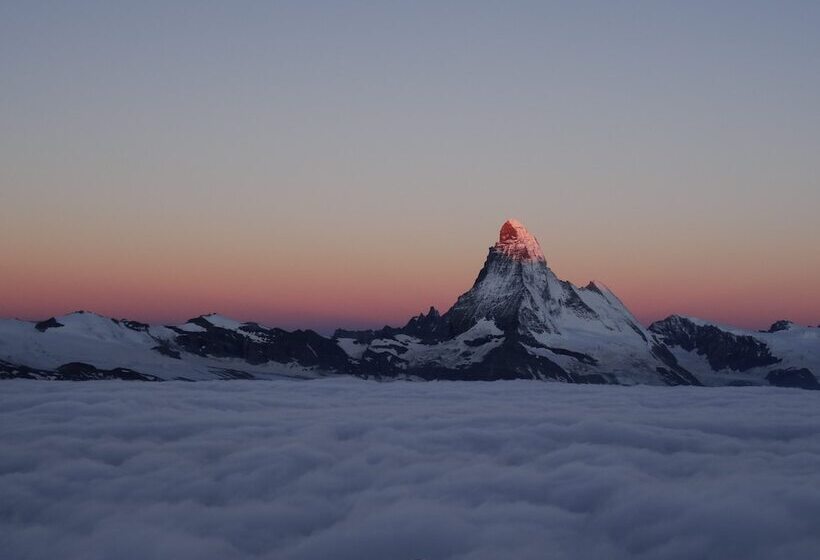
{"x":349,"y":469}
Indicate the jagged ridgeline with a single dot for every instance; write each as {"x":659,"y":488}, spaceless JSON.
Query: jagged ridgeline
{"x":517,"y":321}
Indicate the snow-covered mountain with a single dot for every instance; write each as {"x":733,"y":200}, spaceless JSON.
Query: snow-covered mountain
{"x":786,"y":354}
{"x":519,"y":320}
{"x":85,"y":345}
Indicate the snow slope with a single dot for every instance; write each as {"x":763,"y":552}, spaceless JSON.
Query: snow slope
{"x":107,"y":343}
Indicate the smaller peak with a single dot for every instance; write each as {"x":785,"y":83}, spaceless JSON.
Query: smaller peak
{"x":677,"y":317}
{"x":593,"y":287}
{"x":782,"y":325}
{"x":431,"y":314}
{"x":673,"y":319}
{"x":82,"y":314}
{"x":204,"y":316}
{"x":603,"y":290}
{"x":51,"y":323}
{"x":515,"y":241}
{"x":218,"y":320}
{"x":198,"y":320}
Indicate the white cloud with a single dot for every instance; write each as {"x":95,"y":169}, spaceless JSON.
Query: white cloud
{"x":350,"y":469}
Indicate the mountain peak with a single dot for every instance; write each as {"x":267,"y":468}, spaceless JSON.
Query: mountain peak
{"x":782,"y":325}
{"x":516,"y":242}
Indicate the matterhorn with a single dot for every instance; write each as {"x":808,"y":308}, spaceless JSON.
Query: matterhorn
{"x":519,"y":320}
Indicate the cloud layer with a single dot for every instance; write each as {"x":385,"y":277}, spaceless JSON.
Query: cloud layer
{"x":350,"y":469}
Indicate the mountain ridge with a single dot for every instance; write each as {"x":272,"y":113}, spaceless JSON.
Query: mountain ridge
{"x":518,"y":320}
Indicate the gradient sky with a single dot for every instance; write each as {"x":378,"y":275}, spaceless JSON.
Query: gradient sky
{"x":314,"y":164}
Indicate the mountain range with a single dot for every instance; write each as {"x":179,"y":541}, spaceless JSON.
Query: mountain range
{"x":517,"y":321}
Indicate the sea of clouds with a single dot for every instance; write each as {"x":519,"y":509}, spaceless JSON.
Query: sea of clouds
{"x":349,"y":469}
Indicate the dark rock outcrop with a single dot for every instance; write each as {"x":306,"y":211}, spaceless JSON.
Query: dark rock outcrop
{"x":779,"y":326}
{"x":427,"y":327}
{"x":723,"y":350}
{"x":72,"y":371}
{"x":306,"y":347}
{"x":78,"y":371}
{"x":51,"y":323}
{"x":800,"y":378}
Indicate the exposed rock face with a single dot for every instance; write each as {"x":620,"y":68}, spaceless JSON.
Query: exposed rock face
{"x":51,"y":323}
{"x":257,"y":345}
{"x":74,"y":371}
{"x":427,"y":327}
{"x":800,"y":378}
{"x":135,"y":325}
{"x":77,"y":371}
{"x":778,"y":326}
{"x":722,"y":349}
{"x":517,"y":243}
{"x":10,"y":370}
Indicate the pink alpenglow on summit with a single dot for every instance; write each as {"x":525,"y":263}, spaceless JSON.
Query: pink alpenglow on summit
{"x":516,"y":242}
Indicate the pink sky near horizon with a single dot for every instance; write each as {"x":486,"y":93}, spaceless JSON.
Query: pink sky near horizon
{"x":280,"y":285}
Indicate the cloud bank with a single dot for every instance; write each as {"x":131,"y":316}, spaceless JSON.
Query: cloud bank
{"x":347,"y":469}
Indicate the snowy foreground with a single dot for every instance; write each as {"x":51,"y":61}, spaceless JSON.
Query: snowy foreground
{"x":336,"y":469}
